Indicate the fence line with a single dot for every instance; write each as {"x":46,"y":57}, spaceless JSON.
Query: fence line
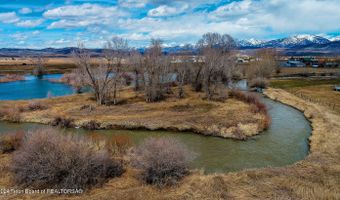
{"x":333,"y":106}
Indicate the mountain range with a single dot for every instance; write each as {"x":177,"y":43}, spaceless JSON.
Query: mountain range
{"x":296,"y":41}
{"x":293,"y":45}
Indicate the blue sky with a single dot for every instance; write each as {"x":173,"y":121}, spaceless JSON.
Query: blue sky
{"x":62,"y":23}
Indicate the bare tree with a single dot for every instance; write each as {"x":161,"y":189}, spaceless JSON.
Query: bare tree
{"x":218,"y":62}
{"x":136,"y":63}
{"x":104,"y":77}
{"x":182,"y":71}
{"x":39,"y":63}
{"x":155,"y":72}
{"x":114,"y":53}
{"x":262,"y":67}
{"x":196,"y":76}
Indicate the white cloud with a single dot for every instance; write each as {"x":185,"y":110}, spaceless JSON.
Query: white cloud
{"x":283,"y":16}
{"x":29,"y":23}
{"x":73,"y":16}
{"x":25,"y":11}
{"x":35,"y":32}
{"x":84,"y":10}
{"x":19,"y":36}
{"x":9,"y":17}
{"x":163,"y":11}
{"x":236,"y":8}
{"x":133,"y":3}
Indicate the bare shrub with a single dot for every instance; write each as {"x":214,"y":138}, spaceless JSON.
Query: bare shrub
{"x":163,"y":161}
{"x":39,"y":63}
{"x":48,"y":159}
{"x":62,"y":122}
{"x":36,"y":105}
{"x":257,"y":105}
{"x":91,"y":125}
{"x":11,"y":114}
{"x":250,"y":98}
{"x":117,"y":145}
{"x":10,"y":141}
{"x":259,"y":83}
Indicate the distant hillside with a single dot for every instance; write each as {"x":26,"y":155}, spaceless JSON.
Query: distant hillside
{"x":294,"y":45}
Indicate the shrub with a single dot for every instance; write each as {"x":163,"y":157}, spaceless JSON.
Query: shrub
{"x":10,"y":142}
{"x":48,"y":159}
{"x":259,"y":83}
{"x":117,"y":145}
{"x":91,"y":125}
{"x":10,"y":114}
{"x":36,"y":105}
{"x":257,"y":106}
{"x":62,"y":122}
{"x":162,"y":161}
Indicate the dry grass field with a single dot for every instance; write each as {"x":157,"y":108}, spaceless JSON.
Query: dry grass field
{"x":230,"y":119}
{"x":319,"y":91}
{"x":24,"y":65}
{"x":316,"y":177}
{"x":309,"y":70}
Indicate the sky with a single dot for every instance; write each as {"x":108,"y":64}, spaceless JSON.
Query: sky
{"x":64,"y":23}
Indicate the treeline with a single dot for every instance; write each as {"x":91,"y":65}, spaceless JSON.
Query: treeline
{"x":155,"y":72}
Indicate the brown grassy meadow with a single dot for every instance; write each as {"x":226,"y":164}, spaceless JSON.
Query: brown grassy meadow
{"x":230,"y":119}
{"x":316,"y":177}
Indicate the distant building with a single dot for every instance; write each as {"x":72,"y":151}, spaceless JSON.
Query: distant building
{"x":331,"y":64}
{"x":292,"y":63}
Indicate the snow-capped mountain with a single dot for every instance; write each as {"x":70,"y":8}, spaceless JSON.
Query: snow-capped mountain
{"x":334,"y":39}
{"x":251,"y":42}
{"x":288,"y":42}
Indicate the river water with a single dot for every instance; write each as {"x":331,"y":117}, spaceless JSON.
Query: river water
{"x":285,"y":142}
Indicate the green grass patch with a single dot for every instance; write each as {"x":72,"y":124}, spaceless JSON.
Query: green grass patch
{"x":293,"y":83}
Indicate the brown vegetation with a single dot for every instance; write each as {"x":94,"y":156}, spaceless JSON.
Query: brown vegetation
{"x":48,"y":159}
{"x":36,"y":105}
{"x":162,"y":161}
{"x":11,"y":78}
{"x":62,"y":122}
{"x":319,"y":91}
{"x":12,"y":114}
{"x":10,"y":141}
{"x":219,"y":64}
{"x":39,"y":63}
{"x":316,"y":177}
{"x":190,"y":113}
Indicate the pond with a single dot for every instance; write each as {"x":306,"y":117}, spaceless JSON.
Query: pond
{"x":284,"y":143}
{"x":33,"y":87}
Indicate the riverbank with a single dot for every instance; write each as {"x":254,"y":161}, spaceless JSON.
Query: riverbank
{"x":316,"y":177}
{"x":230,"y":119}
{"x":11,"y":78}
{"x":318,"y":91}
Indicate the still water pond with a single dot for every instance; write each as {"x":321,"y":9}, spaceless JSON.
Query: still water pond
{"x":33,"y":87}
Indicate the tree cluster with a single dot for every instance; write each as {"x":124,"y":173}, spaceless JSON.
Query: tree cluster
{"x":153,"y":72}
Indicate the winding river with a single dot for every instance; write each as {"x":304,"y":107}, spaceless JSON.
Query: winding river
{"x":284,"y":143}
